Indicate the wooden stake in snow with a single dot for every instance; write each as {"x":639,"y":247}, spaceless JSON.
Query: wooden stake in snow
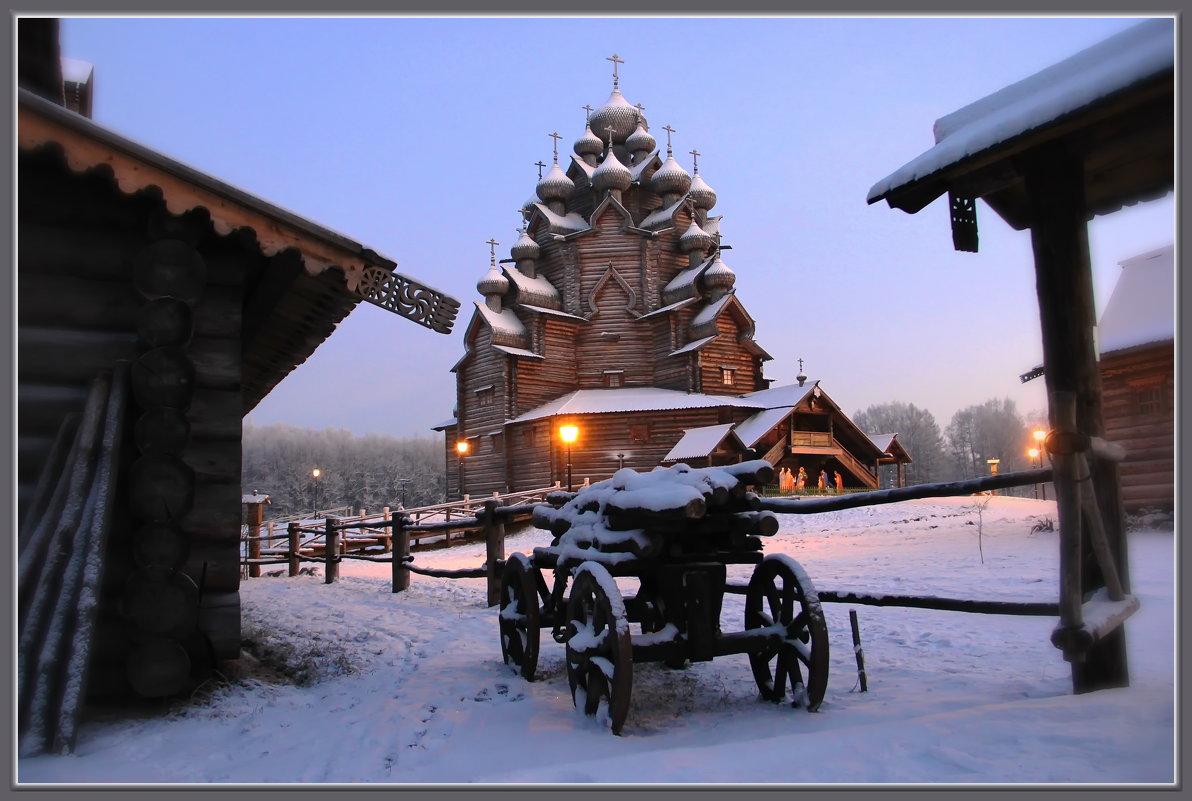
{"x":852,"y":619}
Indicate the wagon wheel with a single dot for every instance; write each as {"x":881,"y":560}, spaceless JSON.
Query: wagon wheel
{"x":780,"y":593}
{"x":519,"y":614}
{"x":599,"y":651}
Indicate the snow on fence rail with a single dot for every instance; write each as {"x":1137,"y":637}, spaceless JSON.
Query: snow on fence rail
{"x":389,"y":538}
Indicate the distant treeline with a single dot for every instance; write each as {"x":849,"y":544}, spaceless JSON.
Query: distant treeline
{"x":358,"y":471}
{"x":976,"y":434}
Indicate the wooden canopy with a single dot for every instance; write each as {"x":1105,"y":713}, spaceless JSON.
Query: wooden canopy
{"x":1083,"y":137}
{"x":313,"y":276}
{"x":1109,"y":108}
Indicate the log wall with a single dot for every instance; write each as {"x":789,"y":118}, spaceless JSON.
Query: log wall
{"x":1138,"y":393}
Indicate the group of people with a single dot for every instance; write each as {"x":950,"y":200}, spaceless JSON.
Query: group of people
{"x":789,"y":482}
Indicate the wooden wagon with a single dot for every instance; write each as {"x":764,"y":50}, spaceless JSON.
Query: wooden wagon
{"x":674,"y":530}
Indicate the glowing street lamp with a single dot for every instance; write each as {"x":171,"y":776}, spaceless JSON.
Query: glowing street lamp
{"x":993,"y":463}
{"x":1036,"y":457}
{"x":461,"y":450}
{"x":314,"y":474}
{"x":1039,"y":436}
{"x":569,"y":434}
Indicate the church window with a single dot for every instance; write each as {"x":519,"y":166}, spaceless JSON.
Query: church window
{"x":1149,"y":400}
{"x":727,"y":375}
{"x":639,"y":432}
{"x":614,"y":378}
{"x":484,"y":396}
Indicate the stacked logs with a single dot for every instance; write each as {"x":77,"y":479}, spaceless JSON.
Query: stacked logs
{"x":160,"y":603}
{"x":678,"y":511}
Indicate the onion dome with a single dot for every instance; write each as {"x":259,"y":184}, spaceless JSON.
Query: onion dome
{"x":718,"y":276}
{"x":611,"y":174}
{"x":589,"y":144}
{"x":700,"y":193}
{"x":670,"y":178}
{"x":525,"y":248}
{"x":555,"y":185}
{"x":641,"y":140}
{"x":617,"y":114}
{"x":493,"y":282}
{"x":695,"y":238}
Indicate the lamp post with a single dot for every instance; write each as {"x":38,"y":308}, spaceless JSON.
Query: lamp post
{"x":403,"y":482}
{"x":461,"y":450}
{"x":993,"y":463}
{"x":1039,"y":436}
{"x":569,"y":434}
{"x":620,"y":461}
{"x":1036,"y":461}
{"x":314,"y":474}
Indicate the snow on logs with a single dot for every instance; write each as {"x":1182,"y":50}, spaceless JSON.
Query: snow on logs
{"x":670,"y":509}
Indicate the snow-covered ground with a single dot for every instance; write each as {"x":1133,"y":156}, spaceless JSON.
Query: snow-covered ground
{"x":410,"y":687}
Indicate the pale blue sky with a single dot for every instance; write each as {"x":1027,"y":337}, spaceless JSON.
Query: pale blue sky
{"x":417,"y":137}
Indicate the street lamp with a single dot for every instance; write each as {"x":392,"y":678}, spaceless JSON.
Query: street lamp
{"x":314,"y":474}
{"x":993,"y":463}
{"x":1039,"y":436}
{"x":569,"y":434}
{"x":403,"y":482}
{"x":1036,"y":461}
{"x":461,"y":450}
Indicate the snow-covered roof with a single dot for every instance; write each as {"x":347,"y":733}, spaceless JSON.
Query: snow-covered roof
{"x":685,"y":278}
{"x":693,"y":346}
{"x":521,"y":353}
{"x":1131,"y":56}
{"x":76,"y":71}
{"x":672,"y":307}
{"x":697,"y":443}
{"x":504,"y":321}
{"x":568,"y":223}
{"x":636,"y":170}
{"x":1141,"y":309}
{"x":882,"y":441}
{"x":630,"y":399}
{"x":663,"y":215}
{"x":254,"y":498}
{"x":753,"y":428}
{"x":583,"y":165}
{"x":786,"y":395}
{"x":710,"y":312}
{"x":445,"y":424}
{"x":551,"y":312}
{"x":538,"y":285}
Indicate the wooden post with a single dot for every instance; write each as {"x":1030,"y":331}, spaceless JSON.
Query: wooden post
{"x":494,"y":540}
{"x":401,"y":549}
{"x":1064,"y":284}
{"x":330,"y":549}
{"x":254,"y":512}
{"x":852,"y":619}
{"x":294,"y":542}
{"x":387,"y":543}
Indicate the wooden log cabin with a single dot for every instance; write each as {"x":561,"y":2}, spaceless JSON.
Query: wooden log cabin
{"x":1136,"y":337}
{"x":616,"y":314}
{"x":134,"y":269}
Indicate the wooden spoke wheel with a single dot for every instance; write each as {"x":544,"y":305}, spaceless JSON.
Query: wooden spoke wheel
{"x":519,"y":615}
{"x":781,"y":596}
{"x":599,"y":651}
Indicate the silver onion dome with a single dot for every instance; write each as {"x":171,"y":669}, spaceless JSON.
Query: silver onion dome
{"x":641,"y":139}
{"x":719,"y":275}
{"x":670,"y":179}
{"x":555,"y":185}
{"x":701,"y":194}
{"x":617,"y":114}
{"x":492,"y":282}
{"x":611,"y":174}
{"x":589,"y":144}
{"x":525,"y":248}
{"x":695,"y":238}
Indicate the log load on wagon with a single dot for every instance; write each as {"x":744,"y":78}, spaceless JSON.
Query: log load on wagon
{"x":674,"y":530}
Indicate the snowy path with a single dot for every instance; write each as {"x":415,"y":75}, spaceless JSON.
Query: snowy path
{"x":410,"y":687}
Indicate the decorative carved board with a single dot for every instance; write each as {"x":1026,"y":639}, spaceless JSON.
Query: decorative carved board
{"x":400,"y":295}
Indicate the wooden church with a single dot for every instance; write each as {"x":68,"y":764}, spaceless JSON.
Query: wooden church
{"x":613,"y":337}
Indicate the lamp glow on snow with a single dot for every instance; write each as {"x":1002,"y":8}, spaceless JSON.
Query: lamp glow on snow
{"x":569,"y":434}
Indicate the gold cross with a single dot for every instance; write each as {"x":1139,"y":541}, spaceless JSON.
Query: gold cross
{"x":615,"y":59}
{"x":556,"y":136}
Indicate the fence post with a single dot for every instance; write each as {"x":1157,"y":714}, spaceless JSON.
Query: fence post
{"x":387,"y":545}
{"x":255,"y":511}
{"x":401,"y":549}
{"x":494,"y":540}
{"x":294,"y":543}
{"x":330,"y":549}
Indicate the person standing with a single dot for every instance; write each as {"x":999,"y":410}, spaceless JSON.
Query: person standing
{"x":801,"y":482}
{"x":823,"y":480}
{"x":839,"y":480}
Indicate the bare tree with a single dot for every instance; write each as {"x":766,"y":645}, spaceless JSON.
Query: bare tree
{"x":917,"y":431}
